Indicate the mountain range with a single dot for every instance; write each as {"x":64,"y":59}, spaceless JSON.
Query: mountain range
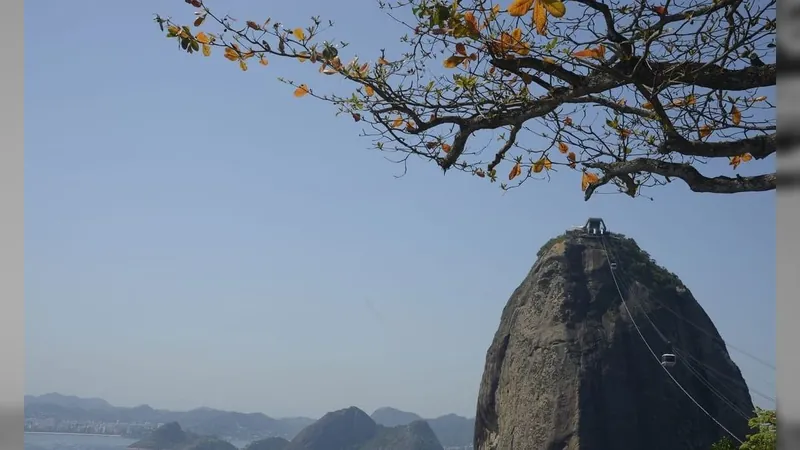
{"x":450,"y":429}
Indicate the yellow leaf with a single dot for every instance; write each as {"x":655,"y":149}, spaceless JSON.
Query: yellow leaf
{"x":397,"y":122}
{"x":301,"y":91}
{"x":520,"y":7}
{"x":242,"y":65}
{"x":516,"y":34}
{"x":538,"y":166}
{"x":704,"y":131}
{"x":563,"y":148}
{"x":299,"y":34}
{"x":453,"y":61}
{"x":555,"y":7}
{"x":547,"y":163}
{"x":746,"y":157}
{"x":540,"y":17}
{"x":203,"y":38}
{"x":516,"y":170}
{"x":263,"y":61}
{"x":231,"y":54}
{"x":206,"y":50}
{"x":548,"y":59}
{"x":587,"y":179}
{"x":736,"y":115}
{"x":369,"y":91}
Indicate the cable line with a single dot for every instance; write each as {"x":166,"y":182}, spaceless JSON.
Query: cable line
{"x":639,"y":331}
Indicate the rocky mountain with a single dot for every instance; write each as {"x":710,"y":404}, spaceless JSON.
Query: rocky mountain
{"x":567,"y":368}
{"x":353,"y":429}
{"x":170,"y":436}
{"x":452,"y":430}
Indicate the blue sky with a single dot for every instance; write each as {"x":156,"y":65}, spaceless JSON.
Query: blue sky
{"x":195,"y":236}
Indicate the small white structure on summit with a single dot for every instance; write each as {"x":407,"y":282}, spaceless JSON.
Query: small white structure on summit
{"x":595,"y":226}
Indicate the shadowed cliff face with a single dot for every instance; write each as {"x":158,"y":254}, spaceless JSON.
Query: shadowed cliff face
{"x":567,"y":369}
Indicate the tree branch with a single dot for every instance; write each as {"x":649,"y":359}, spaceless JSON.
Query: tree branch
{"x":759,"y":147}
{"x":691,"y":176}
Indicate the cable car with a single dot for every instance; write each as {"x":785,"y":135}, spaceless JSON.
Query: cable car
{"x":595,"y":227}
{"x":613,"y":266}
{"x":668,"y":359}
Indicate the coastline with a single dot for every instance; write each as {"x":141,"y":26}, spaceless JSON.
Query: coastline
{"x":74,"y":434}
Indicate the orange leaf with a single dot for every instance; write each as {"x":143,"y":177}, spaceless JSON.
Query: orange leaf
{"x":597,"y":53}
{"x":263,"y":61}
{"x":540,"y":17}
{"x":301,"y":91}
{"x":568,"y":121}
{"x":299,"y":34}
{"x":461,"y":49}
{"x":397,"y":122}
{"x":704,"y":131}
{"x":587,"y":179}
{"x":735,"y":161}
{"x":660,"y":10}
{"x":547,"y":163}
{"x":691,"y":100}
{"x":446,"y":148}
{"x":562,"y":147}
{"x":231,"y":54}
{"x":472,"y":22}
{"x":647,"y":105}
{"x":454,"y":61}
{"x":746,"y":157}
{"x":736,"y":115}
{"x":520,"y":7}
{"x":369,"y":91}
{"x":516,"y":170}
{"x":203,"y":38}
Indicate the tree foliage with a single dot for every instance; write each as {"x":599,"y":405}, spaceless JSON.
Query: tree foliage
{"x":630,"y":94}
{"x":764,"y":437}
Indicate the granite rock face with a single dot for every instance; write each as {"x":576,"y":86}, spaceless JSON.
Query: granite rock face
{"x":567,"y":369}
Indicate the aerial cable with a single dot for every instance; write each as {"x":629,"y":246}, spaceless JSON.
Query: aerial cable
{"x":639,"y":331}
{"x":686,"y":353}
{"x":711,"y":335}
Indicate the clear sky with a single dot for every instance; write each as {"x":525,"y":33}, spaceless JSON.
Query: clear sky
{"x":195,"y":236}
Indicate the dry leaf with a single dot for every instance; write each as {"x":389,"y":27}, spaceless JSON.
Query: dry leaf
{"x":263,"y":61}
{"x":461,"y":49}
{"x":516,"y":170}
{"x":446,"y":148}
{"x":203,"y":38}
{"x":540,"y":17}
{"x":299,"y":34}
{"x":369,"y":91}
{"x":562,"y":147}
{"x":587,"y":179}
{"x":242,"y":65}
{"x":397,"y":122}
{"x":453,"y":61}
{"x":301,"y":91}
{"x":736,"y":115}
{"x":231,"y":54}
{"x":206,"y":50}
{"x":520,"y":7}
{"x":555,"y":7}
{"x":704,"y":131}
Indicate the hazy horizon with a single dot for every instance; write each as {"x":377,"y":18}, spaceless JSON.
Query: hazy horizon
{"x":253,"y":255}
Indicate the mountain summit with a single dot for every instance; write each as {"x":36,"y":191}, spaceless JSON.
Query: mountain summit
{"x":567,"y":368}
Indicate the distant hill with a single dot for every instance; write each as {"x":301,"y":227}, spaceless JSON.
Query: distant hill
{"x":204,"y":421}
{"x":170,"y":436}
{"x":391,"y":417}
{"x":273,"y":443}
{"x":353,"y":429}
{"x":451,"y":430}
